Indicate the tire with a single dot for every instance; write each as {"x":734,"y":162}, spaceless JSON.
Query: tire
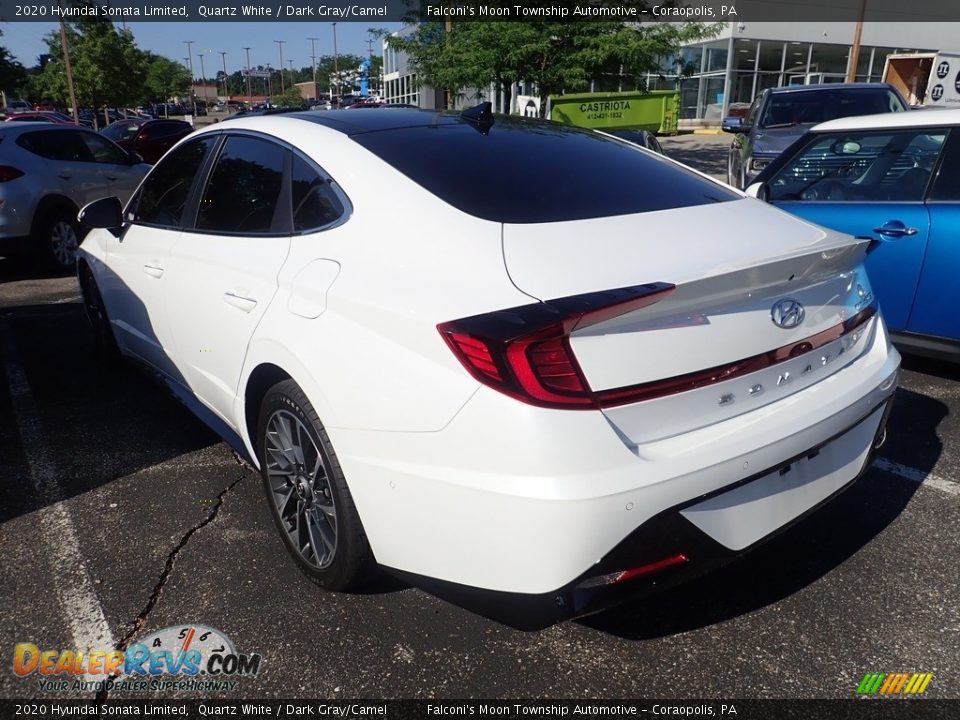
{"x":106,"y":342}
{"x":307,"y":493}
{"x":59,"y":236}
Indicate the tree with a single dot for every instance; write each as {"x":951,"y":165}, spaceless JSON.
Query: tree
{"x":557,"y":56}
{"x":108,"y":68}
{"x":164,"y":78}
{"x":289,"y":98}
{"x":12,"y":74}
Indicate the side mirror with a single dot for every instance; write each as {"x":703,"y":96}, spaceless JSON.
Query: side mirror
{"x":103,"y":213}
{"x":134,"y":158}
{"x":733,"y":124}
{"x":760,"y":191}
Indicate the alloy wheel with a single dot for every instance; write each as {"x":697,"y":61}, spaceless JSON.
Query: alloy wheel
{"x":64,"y":243}
{"x":300,"y":489}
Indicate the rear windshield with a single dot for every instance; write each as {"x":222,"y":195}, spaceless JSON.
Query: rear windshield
{"x":526,"y":172}
{"x":120,"y":130}
{"x":817,"y":106}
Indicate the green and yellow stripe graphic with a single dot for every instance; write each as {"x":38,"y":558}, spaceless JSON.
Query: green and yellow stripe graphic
{"x":894,"y":683}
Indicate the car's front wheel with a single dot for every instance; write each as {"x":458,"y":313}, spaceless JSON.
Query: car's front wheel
{"x":308,"y":495}
{"x":105,"y":340}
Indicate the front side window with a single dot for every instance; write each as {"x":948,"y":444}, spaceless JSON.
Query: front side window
{"x":163,"y":196}
{"x":314,"y":202}
{"x":890,"y":166}
{"x":243,"y":193}
{"x":103,"y":150}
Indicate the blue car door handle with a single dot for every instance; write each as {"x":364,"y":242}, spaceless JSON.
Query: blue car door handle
{"x":895,"y":229}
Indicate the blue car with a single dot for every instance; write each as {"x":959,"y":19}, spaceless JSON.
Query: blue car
{"x":893,"y":178}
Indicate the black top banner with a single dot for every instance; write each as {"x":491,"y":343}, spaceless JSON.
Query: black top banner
{"x":477,"y":10}
{"x":864,"y":709}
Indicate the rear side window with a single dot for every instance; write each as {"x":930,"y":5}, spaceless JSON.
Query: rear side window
{"x":120,"y":130}
{"x":56,"y":145}
{"x":243,"y":193}
{"x":314,"y":202}
{"x":163,"y":195}
{"x":530,"y":172}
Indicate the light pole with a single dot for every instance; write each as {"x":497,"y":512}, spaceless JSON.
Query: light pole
{"x":226,"y":91}
{"x":270,"y":82}
{"x":313,"y":60}
{"x":336,"y":69}
{"x":248,"y":74}
{"x":280,"y":44}
{"x":188,"y":43}
{"x":203,"y":79}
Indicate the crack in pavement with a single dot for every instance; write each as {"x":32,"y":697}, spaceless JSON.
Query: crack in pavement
{"x":154,"y":598}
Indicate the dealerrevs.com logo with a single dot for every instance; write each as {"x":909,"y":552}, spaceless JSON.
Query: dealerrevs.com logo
{"x":179,"y":657}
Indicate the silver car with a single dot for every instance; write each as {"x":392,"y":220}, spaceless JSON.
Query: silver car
{"x":47,"y":173}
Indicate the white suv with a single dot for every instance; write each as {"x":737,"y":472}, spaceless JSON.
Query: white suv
{"x":47,"y":173}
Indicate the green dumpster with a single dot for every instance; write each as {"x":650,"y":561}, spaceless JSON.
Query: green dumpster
{"x":656,"y":110}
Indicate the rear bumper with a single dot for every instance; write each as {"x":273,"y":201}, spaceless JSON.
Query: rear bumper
{"x":515,"y":499}
{"x":691,"y":553}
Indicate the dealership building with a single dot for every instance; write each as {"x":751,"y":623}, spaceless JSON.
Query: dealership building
{"x":734,"y":66}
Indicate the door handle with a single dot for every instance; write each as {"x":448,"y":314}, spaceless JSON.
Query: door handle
{"x":895,"y":229}
{"x":153,"y":270}
{"x":239,"y":301}
{"x":111,"y":179}
{"x":64,"y":177}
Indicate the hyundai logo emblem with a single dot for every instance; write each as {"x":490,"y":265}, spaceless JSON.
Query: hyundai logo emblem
{"x":787,"y":314}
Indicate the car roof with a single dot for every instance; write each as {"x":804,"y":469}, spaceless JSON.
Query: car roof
{"x":823,"y":87}
{"x":885,"y":121}
{"x":363,"y":120}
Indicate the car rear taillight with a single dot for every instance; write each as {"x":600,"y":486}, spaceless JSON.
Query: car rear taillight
{"x":8,"y":173}
{"x":525,"y":352}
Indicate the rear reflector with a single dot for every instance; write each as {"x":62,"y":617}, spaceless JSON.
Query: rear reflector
{"x":623,"y":576}
{"x":9,"y":173}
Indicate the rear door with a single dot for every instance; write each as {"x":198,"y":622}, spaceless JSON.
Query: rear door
{"x":870,"y":185}
{"x":938,"y":291}
{"x":223,"y":271}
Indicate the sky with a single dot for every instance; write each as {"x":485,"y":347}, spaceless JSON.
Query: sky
{"x":25,"y":41}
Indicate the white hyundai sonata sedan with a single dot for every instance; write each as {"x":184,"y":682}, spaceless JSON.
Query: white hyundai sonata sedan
{"x":507,"y":355}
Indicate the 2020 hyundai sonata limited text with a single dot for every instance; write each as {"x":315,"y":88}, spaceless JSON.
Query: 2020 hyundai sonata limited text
{"x":508,"y":355}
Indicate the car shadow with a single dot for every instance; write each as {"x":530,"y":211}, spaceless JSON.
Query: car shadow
{"x":803,"y":554}
{"x":97,"y":423}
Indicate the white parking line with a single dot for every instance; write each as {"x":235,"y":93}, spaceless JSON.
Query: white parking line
{"x":918,"y":476}
{"x":84,"y":614}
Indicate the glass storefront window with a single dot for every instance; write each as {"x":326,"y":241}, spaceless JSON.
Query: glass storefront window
{"x":717,"y":57}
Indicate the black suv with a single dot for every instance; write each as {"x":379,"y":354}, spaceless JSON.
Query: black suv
{"x":781,"y":115}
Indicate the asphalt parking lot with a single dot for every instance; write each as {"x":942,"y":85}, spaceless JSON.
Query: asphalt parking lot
{"x":120,"y":514}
